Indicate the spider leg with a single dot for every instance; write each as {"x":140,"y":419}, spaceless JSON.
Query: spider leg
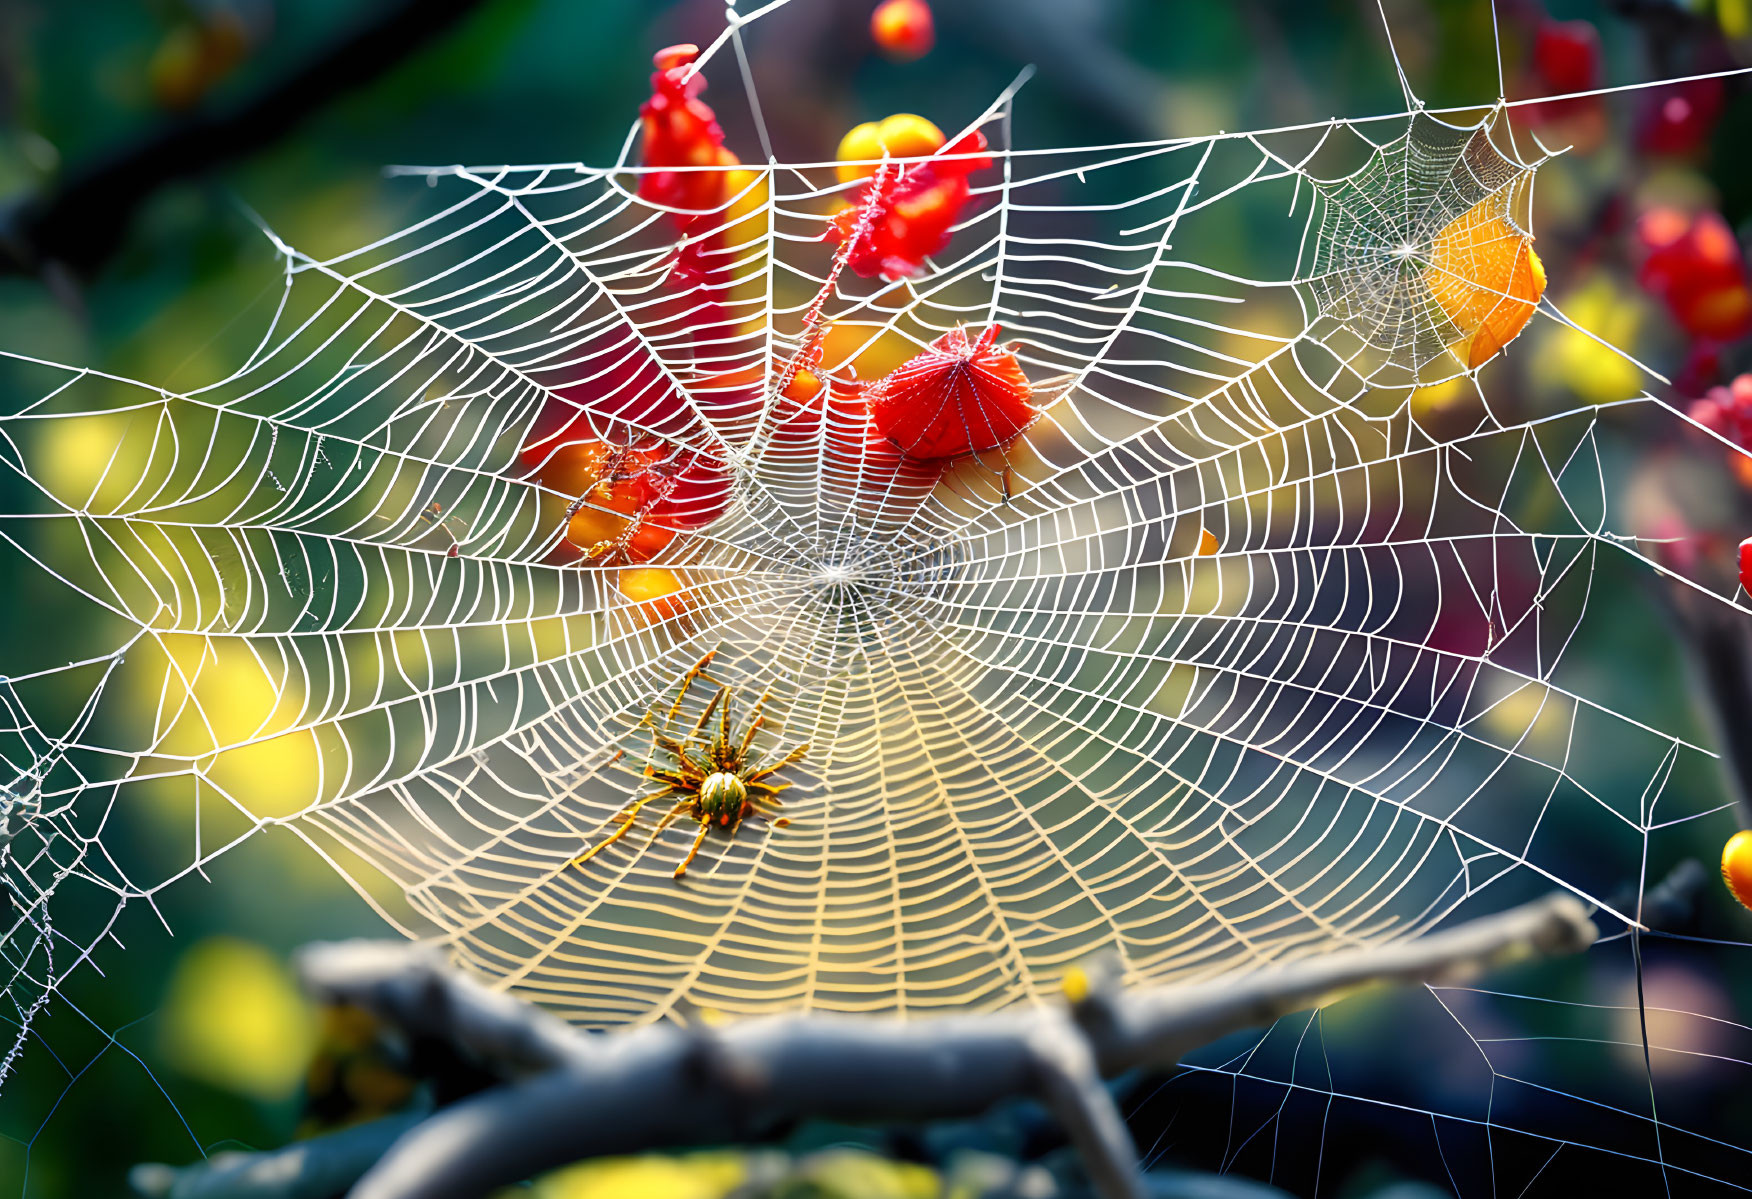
{"x":756,"y":719}
{"x":697,"y":670}
{"x":698,"y":841}
{"x":626,"y":818}
{"x":796,"y":755}
{"x":767,"y":793}
{"x":667,"y":820}
{"x":711,"y":706}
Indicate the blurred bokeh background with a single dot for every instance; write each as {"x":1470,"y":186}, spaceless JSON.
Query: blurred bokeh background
{"x":196,"y":1039}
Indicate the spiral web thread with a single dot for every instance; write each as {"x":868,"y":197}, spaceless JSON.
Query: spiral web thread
{"x":1042,"y":724}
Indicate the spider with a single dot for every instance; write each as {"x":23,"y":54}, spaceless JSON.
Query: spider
{"x":720,"y":781}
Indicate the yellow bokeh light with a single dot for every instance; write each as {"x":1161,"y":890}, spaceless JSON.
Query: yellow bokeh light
{"x":234,"y":1018}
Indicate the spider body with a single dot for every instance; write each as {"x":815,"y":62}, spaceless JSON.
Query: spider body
{"x":715,"y":776}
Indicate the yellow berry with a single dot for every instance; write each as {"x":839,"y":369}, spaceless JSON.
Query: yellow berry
{"x":862,"y":142}
{"x":1737,"y":866}
{"x":903,"y":135}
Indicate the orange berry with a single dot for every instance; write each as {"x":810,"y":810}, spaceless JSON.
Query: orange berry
{"x":1714,"y":243}
{"x":903,"y":29}
{"x":660,"y":594}
{"x":1737,"y":866}
{"x":1207,"y":543}
{"x":804,"y":386}
{"x":1483,"y":272}
{"x":1662,"y":226}
{"x":860,"y":142}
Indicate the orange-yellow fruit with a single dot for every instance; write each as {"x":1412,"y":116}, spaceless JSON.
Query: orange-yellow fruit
{"x":1207,"y":543}
{"x":804,"y":386}
{"x":1737,"y":866}
{"x":903,"y":29}
{"x":660,"y":594}
{"x":1484,"y":274}
{"x":902,"y":135}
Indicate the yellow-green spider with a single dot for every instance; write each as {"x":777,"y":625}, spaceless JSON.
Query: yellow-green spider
{"x":719,"y":777}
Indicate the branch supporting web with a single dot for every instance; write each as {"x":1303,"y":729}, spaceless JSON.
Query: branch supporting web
{"x":1229,"y":660}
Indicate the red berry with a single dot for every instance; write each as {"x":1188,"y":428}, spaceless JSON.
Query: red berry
{"x":1746,"y":564}
{"x":1567,"y":55}
{"x":680,"y":130}
{"x":958,"y":397}
{"x":903,"y":29}
{"x":1741,"y":390}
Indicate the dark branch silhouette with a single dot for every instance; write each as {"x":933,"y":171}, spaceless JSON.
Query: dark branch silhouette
{"x":75,"y":225}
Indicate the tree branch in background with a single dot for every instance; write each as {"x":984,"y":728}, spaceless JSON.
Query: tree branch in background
{"x":1717,"y":640}
{"x":77,"y":224}
{"x":569,"y":1095}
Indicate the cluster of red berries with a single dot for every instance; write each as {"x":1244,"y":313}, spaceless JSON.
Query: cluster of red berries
{"x":1727,"y":410}
{"x":904,"y":214}
{"x":632,"y":442}
{"x":1679,"y":119}
{"x":1676,"y":120}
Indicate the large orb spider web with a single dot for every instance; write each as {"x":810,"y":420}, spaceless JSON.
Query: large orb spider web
{"x":725,"y":784}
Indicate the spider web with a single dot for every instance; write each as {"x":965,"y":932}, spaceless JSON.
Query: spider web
{"x":323,"y":596}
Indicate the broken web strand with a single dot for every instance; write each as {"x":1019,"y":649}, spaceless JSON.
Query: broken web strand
{"x":460,"y":885}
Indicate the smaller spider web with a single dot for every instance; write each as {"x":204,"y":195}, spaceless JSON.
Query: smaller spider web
{"x":1372,"y":234}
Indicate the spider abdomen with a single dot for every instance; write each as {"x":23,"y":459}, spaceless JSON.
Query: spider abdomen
{"x":721,"y":798}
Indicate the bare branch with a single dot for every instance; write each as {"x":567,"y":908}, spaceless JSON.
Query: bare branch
{"x":412,"y":987}
{"x":315,"y":1169}
{"x":667,"y":1086}
{"x":1071,"y":1090}
{"x":1159,"y":1026}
